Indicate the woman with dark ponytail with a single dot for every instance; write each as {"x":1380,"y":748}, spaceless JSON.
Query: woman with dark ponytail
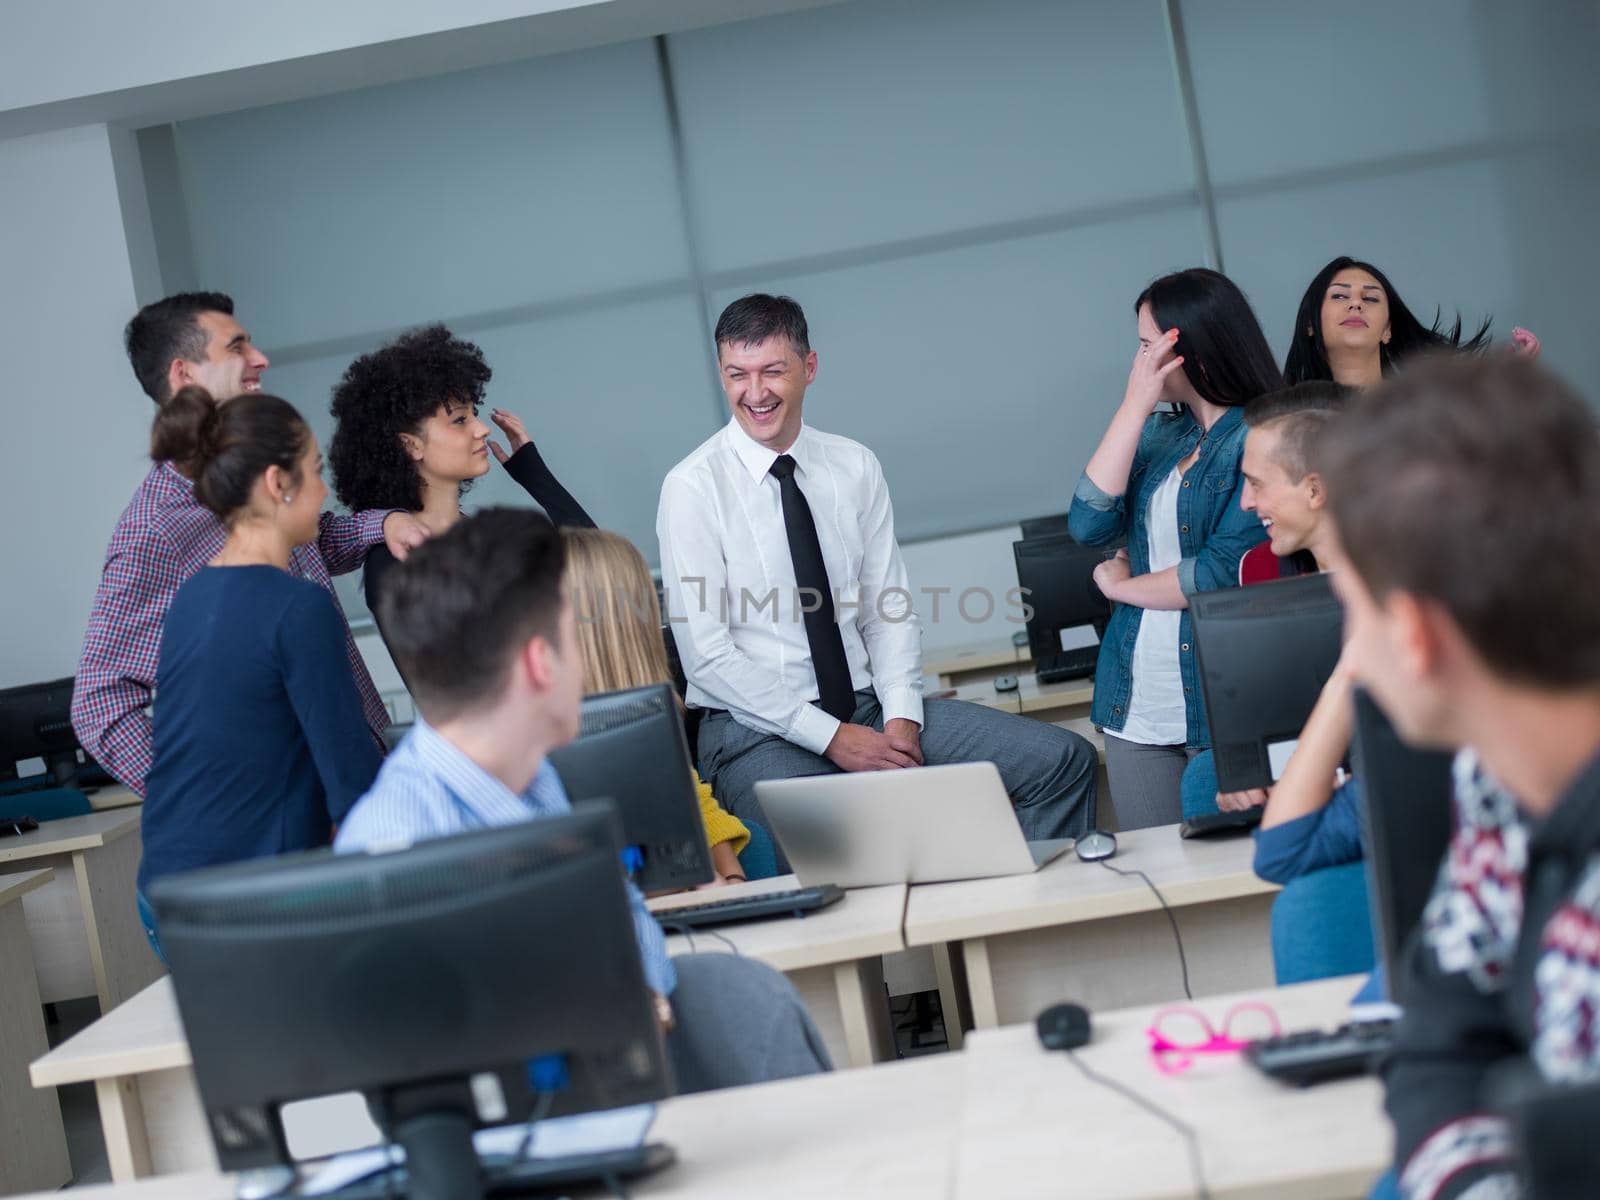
{"x":260,"y":744}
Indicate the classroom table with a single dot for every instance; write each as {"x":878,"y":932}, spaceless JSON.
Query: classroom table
{"x":1079,"y":930}
{"x":1006,"y":1119}
{"x":1042,"y":701}
{"x":834,"y":957}
{"x":84,"y":925}
{"x":113,"y":796}
{"x":1033,"y":1125}
{"x":138,"y":1057}
{"x":952,"y":665}
{"x":33,"y":1143}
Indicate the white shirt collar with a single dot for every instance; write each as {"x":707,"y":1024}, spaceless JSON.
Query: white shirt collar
{"x":758,"y":459}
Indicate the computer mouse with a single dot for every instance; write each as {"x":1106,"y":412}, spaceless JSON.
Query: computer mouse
{"x":1095,"y":845}
{"x":1063,"y":1026}
{"x":1005,"y":683}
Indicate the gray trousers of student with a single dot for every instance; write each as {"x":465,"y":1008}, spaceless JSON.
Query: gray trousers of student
{"x":738,"y":1021}
{"x":1146,"y":782}
{"x":1049,"y":772}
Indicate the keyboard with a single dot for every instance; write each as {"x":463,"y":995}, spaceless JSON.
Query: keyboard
{"x":1070,"y":664}
{"x":1315,"y":1055}
{"x":796,"y":902}
{"x":1218,"y":824}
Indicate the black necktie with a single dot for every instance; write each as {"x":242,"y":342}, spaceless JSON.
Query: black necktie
{"x":837,"y":696}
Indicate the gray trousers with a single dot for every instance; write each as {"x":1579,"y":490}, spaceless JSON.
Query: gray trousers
{"x":1146,"y":782}
{"x":738,"y":1021}
{"x":1049,"y":772}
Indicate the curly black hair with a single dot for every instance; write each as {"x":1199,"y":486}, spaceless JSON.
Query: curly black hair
{"x":389,"y":392}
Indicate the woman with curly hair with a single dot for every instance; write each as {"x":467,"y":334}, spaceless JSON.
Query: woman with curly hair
{"x":407,"y":436}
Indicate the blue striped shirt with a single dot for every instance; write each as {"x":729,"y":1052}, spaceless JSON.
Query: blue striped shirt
{"x":428,"y":788}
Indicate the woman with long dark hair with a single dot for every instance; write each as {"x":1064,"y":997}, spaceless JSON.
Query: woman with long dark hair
{"x":1354,"y":328}
{"x":260,"y":742}
{"x":1169,"y":483}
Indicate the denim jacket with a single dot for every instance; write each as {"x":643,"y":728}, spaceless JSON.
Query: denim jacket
{"x":1213,"y":532}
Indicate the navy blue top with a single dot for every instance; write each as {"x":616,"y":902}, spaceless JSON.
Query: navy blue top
{"x":260,"y":744}
{"x":1328,"y":837}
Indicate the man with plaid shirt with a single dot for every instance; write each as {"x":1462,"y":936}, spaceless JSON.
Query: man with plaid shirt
{"x":164,"y":536}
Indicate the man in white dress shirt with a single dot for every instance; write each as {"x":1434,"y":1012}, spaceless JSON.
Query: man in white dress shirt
{"x":792,"y":610}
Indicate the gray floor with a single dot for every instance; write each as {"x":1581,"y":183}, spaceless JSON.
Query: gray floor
{"x":79,"y":1112}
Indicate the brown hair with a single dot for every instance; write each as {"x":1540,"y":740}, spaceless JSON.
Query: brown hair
{"x":1475,"y":483}
{"x":619,"y":618}
{"x":461,"y":606}
{"x":1299,"y":414}
{"x":225,"y":448}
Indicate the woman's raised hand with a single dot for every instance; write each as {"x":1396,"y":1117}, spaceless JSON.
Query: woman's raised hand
{"x":1151,"y":366}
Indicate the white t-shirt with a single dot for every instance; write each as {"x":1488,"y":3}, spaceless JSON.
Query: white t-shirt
{"x":1156,"y":712}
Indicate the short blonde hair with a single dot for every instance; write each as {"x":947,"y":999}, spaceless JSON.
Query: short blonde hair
{"x":618,"y":616}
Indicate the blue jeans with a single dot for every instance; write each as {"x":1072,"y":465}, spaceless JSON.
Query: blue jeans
{"x":759,"y":858}
{"x":147,"y":918}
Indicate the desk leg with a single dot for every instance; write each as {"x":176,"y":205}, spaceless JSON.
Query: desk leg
{"x":864,"y":1009}
{"x":124,"y":964}
{"x":954,"y":1004}
{"x":33,"y":1142}
{"x":122,"y":1122}
{"x":980,"y":984}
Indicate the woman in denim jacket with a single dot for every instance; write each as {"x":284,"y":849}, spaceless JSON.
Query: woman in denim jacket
{"x":1169,"y":482}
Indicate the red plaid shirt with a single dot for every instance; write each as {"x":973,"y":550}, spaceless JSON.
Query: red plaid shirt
{"x":162,"y":538}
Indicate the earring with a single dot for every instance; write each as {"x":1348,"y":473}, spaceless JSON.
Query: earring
{"x":288,"y":499}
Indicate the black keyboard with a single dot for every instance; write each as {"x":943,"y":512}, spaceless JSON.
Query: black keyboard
{"x":1314,"y":1055}
{"x":1218,"y":824}
{"x":796,"y":902}
{"x":1070,"y":664}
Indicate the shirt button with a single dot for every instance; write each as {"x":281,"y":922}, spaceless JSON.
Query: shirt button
{"x":1183,"y":529}
{"x":1185,"y":483}
{"x":1185,"y":647}
{"x":1116,"y":710}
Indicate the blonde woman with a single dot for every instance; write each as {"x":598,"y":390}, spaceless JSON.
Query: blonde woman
{"x":619,"y":632}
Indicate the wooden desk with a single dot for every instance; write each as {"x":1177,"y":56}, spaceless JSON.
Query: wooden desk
{"x":1076,"y":930}
{"x":887,"y":1133}
{"x":114,"y":796}
{"x":84,"y":924}
{"x":138,"y":1060}
{"x":33,"y":1142}
{"x":1007,"y":1119}
{"x":834,"y":958}
{"x":1044,"y":701}
{"x":1034,"y":1126}
{"x":982,"y":660}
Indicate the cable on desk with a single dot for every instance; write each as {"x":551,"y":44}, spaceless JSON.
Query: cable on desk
{"x":672,"y":926}
{"x":1190,"y":1137}
{"x":1183,"y":959}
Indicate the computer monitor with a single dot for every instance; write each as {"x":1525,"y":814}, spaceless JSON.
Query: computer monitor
{"x":36,"y":722}
{"x":453,"y":984}
{"x":1407,"y":817}
{"x":1264,"y":654}
{"x":1069,"y":613}
{"x":1054,"y":525}
{"x":632,"y":749}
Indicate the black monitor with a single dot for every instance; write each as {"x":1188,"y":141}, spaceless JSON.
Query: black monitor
{"x":1068,"y":613}
{"x":1264,"y":654}
{"x":632,"y":749}
{"x":445,"y":982}
{"x":1055,"y":525}
{"x":36,"y":722}
{"x":1407,"y":817}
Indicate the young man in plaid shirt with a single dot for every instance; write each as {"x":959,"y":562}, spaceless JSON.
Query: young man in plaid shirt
{"x":164,"y":536}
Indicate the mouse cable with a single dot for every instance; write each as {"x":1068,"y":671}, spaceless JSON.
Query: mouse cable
{"x":666,"y":922}
{"x":1190,"y":1137}
{"x":1183,"y":959}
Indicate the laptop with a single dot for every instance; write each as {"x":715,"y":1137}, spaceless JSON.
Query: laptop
{"x":916,"y":825}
